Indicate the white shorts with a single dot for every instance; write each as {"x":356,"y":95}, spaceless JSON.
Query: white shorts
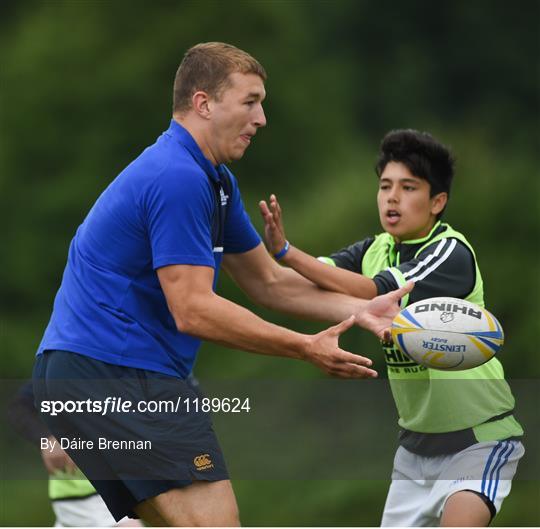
{"x":87,"y":512}
{"x":421,"y":485}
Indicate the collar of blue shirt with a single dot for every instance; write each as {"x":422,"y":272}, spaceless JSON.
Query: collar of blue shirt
{"x":183,"y":137}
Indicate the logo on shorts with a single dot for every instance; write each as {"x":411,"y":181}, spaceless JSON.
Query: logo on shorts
{"x":203,"y":462}
{"x":462,"y":479}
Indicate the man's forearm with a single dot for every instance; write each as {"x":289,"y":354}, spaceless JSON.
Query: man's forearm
{"x":199,"y":311}
{"x":283,"y":289}
{"x":219,"y":320}
{"x":216,"y":319}
{"x":293,"y":294}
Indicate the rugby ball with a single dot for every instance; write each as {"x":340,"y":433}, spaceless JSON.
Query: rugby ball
{"x":447,"y":333}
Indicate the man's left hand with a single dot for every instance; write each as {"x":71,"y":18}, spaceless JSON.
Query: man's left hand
{"x":378,"y":313}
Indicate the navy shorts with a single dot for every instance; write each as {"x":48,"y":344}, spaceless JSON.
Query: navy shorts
{"x":134,"y":433}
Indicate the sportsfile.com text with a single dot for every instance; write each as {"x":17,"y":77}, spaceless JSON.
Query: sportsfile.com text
{"x":121,"y":405}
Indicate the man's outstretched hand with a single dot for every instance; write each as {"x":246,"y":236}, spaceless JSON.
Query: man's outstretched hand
{"x":378,"y":313}
{"x":324,"y":352}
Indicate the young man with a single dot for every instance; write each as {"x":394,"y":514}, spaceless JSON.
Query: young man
{"x":459,"y":444}
{"x":137,"y":296}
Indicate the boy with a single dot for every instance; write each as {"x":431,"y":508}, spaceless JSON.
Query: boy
{"x":459,"y":443}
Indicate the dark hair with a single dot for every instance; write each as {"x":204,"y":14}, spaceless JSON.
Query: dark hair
{"x":422,"y":154}
{"x":207,"y":67}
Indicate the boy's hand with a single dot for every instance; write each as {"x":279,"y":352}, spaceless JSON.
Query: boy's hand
{"x":274,"y":232}
{"x":378,"y":313}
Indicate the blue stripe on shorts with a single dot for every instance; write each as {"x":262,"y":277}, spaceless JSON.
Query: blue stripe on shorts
{"x":496,"y":460}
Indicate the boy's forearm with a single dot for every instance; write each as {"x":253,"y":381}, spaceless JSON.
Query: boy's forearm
{"x":328,"y":277}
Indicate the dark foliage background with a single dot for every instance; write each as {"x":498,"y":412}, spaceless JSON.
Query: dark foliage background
{"x":86,"y":85}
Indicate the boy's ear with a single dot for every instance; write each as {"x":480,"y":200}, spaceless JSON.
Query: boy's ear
{"x":438,"y":202}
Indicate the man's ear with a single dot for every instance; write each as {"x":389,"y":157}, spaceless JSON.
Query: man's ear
{"x":438,"y":202}
{"x":201,"y":104}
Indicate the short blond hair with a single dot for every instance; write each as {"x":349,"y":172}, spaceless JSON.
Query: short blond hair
{"x":207,"y":67}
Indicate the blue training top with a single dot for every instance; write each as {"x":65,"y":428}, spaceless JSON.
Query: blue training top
{"x":169,"y":206}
